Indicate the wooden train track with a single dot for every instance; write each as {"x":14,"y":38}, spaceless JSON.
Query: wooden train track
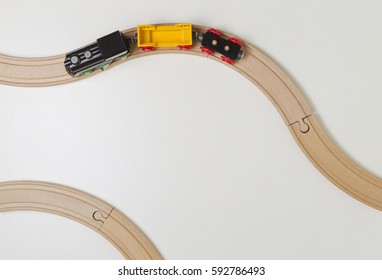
{"x":81,"y":207}
{"x":265,"y":74}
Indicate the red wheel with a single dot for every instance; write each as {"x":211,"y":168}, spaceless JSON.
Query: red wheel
{"x":227,"y":60}
{"x":217,"y":33}
{"x":147,"y":49}
{"x":187,"y":47}
{"x":207,"y":51}
{"x":236,"y":41}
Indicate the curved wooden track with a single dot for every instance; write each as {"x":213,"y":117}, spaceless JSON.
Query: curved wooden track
{"x":265,"y":74}
{"x":81,"y":207}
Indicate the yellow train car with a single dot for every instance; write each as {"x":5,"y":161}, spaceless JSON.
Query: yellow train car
{"x":163,"y":36}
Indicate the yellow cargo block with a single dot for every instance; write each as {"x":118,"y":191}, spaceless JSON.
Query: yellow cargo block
{"x":157,"y":36}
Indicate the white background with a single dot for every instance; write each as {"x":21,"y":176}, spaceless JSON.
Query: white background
{"x":188,"y":149}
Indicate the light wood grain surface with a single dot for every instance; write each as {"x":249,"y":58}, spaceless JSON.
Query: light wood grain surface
{"x":82,"y":207}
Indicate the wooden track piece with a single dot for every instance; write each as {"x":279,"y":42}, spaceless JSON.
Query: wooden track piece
{"x":254,"y":65}
{"x":261,"y":71}
{"x":338,"y":168}
{"x":81,"y":207}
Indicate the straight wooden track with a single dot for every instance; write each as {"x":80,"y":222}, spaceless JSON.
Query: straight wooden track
{"x":82,"y":207}
{"x":264,"y":73}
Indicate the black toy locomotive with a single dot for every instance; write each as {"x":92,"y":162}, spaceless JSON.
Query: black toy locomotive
{"x":99,"y":54}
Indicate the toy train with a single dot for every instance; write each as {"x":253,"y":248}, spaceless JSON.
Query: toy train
{"x":116,"y":46}
{"x":157,"y":36}
{"x":212,"y":41}
{"x":99,"y":54}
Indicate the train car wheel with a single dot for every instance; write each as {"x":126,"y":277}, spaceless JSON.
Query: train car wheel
{"x":227,"y":60}
{"x":236,"y":41}
{"x":207,"y":51}
{"x":217,"y":33}
{"x":147,"y":49}
{"x":184,"y":47}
